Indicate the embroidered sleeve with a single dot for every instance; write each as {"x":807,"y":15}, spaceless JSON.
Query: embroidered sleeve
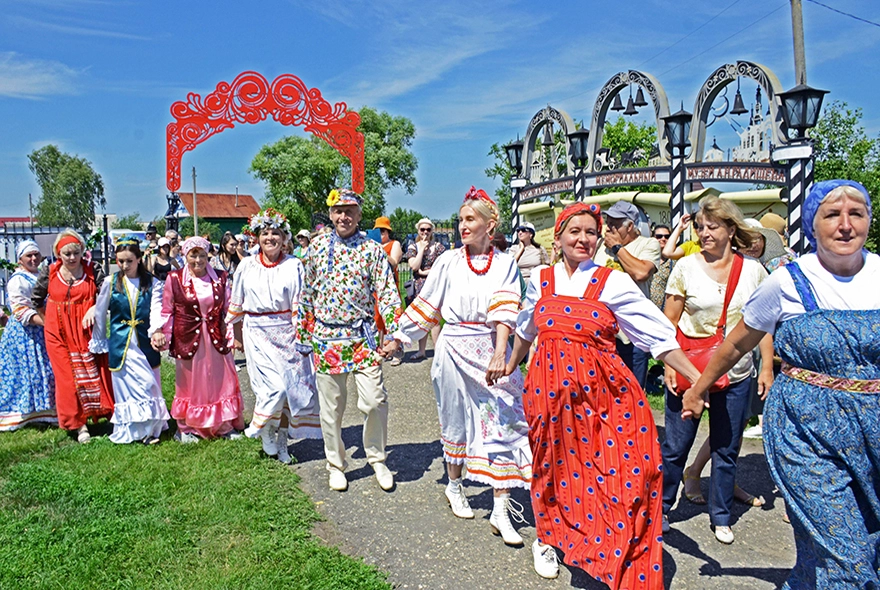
{"x":424,"y":313}
{"x":20,"y":303}
{"x":504,"y":303}
{"x":98,"y":344}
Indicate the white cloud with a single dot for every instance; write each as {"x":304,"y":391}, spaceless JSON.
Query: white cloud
{"x":22,"y":77}
{"x":87,"y":29}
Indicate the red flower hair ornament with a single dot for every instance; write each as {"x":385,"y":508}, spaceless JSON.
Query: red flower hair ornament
{"x":578,"y":209}
{"x":478,"y":194}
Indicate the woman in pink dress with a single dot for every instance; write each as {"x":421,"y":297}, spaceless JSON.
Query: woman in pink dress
{"x":207,"y":402}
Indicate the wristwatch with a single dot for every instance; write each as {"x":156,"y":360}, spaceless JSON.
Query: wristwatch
{"x":615,"y":249}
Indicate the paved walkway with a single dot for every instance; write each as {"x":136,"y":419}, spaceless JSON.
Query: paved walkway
{"x":411,"y":534}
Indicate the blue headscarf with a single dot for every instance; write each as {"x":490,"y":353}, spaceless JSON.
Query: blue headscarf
{"x":817,"y":194}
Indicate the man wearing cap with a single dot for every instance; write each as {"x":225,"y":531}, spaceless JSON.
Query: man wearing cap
{"x":625,"y":248}
{"x":346,"y":275}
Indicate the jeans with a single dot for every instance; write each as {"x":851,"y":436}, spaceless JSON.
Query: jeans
{"x":636,"y":359}
{"x":728,"y":414}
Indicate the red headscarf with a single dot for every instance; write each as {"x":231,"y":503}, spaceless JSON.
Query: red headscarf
{"x":578,"y":208}
{"x":478,"y":194}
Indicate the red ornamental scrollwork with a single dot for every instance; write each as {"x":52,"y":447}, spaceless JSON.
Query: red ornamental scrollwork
{"x":250,"y":99}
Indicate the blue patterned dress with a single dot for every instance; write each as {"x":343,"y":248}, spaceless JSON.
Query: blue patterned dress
{"x":822,"y":439}
{"x":27,"y":387}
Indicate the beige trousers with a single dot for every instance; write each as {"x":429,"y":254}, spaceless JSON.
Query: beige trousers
{"x":373,"y":404}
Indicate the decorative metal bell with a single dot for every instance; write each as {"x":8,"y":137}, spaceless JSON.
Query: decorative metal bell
{"x":640,"y":98}
{"x":630,"y":107}
{"x":618,"y":104}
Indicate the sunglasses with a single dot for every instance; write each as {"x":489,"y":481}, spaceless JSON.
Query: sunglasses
{"x":424,"y":230}
{"x":662,"y":236}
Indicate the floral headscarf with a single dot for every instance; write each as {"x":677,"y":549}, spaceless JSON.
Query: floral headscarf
{"x":195,"y":242}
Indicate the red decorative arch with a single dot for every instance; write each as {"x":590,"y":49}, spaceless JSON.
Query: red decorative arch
{"x":250,"y":99}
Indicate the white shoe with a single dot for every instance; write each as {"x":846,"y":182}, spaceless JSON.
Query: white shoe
{"x":383,"y":476}
{"x":185,"y":438}
{"x":281,"y":445}
{"x":233,"y":435}
{"x":755,"y":431}
{"x":724,"y":534}
{"x":546,"y":564}
{"x":267,"y":435}
{"x":82,"y":435}
{"x":499,"y":520}
{"x":337,"y":480}
{"x":664,"y":526}
{"x":458,"y":501}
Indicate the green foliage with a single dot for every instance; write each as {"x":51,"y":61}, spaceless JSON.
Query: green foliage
{"x":162,"y":225}
{"x":623,"y":136}
{"x":844,"y":150}
{"x":201,"y":516}
{"x":70,"y":188}
{"x":403,"y":221}
{"x":206,"y":228}
{"x":500,"y":170}
{"x":130,"y":221}
{"x":299,"y":172}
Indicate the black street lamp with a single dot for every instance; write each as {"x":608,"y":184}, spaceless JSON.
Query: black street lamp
{"x":678,"y":129}
{"x":514,"y":155}
{"x":800,"y":107}
{"x":578,"y":140}
{"x":171,"y":219}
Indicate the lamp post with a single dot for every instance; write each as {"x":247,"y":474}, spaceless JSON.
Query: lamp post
{"x":579,"y":142}
{"x":171,"y":220}
{"x":514,"y":152}
{"x":677,"y":128}
{"x":800,"y":112}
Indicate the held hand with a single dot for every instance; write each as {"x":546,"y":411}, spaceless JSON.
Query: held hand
{"x":669,"y":379}
{"x":237,"y":345}
{"x":389,"y":348}
{"x":496,"y":370}
{"x":692,"y":405}
{"x":89,"y":318}
{"x":158,"y":341}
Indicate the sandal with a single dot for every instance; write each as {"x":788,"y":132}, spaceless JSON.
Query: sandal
{"x":696,"y":497}
{"x":743,"y":497}
{"x":417,"y":357}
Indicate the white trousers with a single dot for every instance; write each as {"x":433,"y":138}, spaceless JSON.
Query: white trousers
{"x":373,"y":404}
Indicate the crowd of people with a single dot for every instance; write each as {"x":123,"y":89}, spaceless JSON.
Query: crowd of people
{"x":734,"y":317}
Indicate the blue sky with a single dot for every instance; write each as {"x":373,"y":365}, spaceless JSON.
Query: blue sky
{"x":97,"y":77}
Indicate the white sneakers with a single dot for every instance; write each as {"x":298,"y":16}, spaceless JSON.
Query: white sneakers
{"x":544,"y":556}
{"x":281,"y":445}
{"x":724,"y":534}
{"x":337,"y":479}
{"x":383,"y":476}
{"x":267,"y":436}
{"x":457,"y":500}
{"x":82,"y":435}
{"x":754,"y":432}
{"x":186,"y":438}
{"x":499,"y":520}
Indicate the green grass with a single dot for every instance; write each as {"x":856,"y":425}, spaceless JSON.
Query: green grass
{"x":206,"y":515}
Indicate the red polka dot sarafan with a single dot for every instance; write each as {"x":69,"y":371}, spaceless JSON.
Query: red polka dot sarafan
{"x":596,"y":486}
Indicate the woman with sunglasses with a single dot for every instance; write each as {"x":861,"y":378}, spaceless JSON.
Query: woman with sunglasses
{"x":529,"y":254}
{"x":658,"y":285}
{"x":421,"y":255}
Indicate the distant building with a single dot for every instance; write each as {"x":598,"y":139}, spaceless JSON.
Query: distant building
{"x":754,"y":141}
{"x":229,"y":211}
{"x":714,"y":153}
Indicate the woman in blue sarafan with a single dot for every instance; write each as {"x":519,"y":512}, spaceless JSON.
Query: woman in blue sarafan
{"x":27,"y":386}
{"x":822,"y":418}
{"x":139,"y":412}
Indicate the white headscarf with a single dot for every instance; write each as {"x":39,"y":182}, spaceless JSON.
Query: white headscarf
{"x":26,"y":247}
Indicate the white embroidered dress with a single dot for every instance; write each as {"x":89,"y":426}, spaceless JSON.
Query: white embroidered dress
{"x":139,"y":410}
{"x":266,"y":299}
{"x":482,"y":427}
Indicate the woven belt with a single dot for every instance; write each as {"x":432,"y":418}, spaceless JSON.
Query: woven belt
{"x":823,"y":380}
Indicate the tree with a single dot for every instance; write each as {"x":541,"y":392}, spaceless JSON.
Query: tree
{"x":131,"y":221}
{"x":844,"y":150}
{"x":501,"y":170}
{"x":299,"y":172}
{"x":623,"y":137}
{"x":206,"y":228}
{"x":403,"y":222}
{"x":70,"y":188}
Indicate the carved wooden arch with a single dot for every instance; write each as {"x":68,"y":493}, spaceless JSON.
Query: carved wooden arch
{"x":542,"y":118}
{"x":714,"y":84}
{"x":250,"y":98}
{"x":653,"y":89}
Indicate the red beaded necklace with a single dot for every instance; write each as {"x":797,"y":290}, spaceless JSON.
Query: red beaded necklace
{"x":271,"y":264}
{"x":467,"y":256}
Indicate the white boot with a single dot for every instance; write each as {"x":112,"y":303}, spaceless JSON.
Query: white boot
{"x":281,"y":443}
{"x":500,"y":521}
{"x":457,"y":500}
{"x":267,"y":435}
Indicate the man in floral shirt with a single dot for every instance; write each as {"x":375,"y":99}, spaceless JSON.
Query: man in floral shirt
{"x":346,"y":274}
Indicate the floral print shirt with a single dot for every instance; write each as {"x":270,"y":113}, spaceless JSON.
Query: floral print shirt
{"x":432,"y":252}
{"x":344,"y":281}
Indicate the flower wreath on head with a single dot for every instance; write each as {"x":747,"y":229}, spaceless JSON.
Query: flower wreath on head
{"x":268,"y":218}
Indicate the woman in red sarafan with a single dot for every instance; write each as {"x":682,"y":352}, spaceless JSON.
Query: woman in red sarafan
{"x":597,"y":483}
{"x":68,"y":288}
